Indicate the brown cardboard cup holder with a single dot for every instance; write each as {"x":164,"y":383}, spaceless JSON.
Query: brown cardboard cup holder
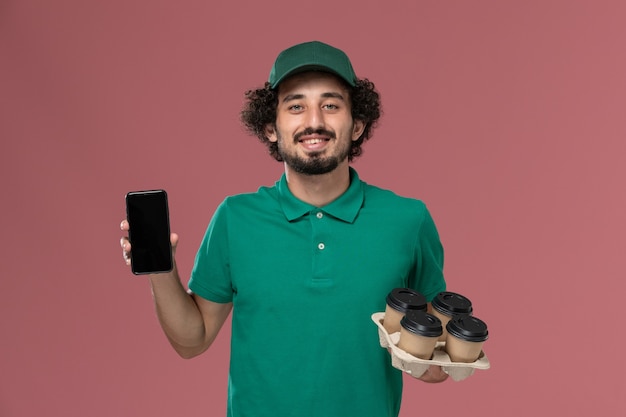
{"x":415,"y":366}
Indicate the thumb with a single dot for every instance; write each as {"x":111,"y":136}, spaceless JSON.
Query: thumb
{"x":174,"y":242}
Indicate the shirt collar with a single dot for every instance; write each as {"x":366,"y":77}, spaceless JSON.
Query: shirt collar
{"x":345,"y":207}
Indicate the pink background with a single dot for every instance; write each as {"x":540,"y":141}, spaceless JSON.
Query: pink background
{"x":506,"y":118}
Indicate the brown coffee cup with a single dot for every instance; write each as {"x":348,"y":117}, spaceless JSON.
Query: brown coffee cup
{"x":447,"y":305}
{"x":419,"y":332}
{"x":399,"y":301}
{"x":466,"y":336}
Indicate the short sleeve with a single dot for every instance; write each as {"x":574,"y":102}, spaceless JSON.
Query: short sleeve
{"x":428,"y":276}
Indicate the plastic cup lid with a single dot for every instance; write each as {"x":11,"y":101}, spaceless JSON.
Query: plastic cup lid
{"x":451,"y":303}
{"x":422,"y":323}
{"x":468,"y":328}
{"x":405,"y":299}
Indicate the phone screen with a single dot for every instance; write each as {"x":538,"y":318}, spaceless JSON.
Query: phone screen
{"x":149,"y":233}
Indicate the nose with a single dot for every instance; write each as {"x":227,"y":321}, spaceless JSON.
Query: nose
{"x":314,"y":118}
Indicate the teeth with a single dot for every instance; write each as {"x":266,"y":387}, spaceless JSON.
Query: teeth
{"x":313,"y":141}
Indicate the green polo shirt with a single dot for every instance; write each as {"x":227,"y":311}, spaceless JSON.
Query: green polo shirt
{"x":304,"y":282}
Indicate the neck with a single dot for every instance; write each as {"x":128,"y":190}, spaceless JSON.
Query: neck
{"x":319,"y":190}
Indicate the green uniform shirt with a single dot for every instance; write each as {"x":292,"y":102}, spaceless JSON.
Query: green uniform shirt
{"x":304,"y":282}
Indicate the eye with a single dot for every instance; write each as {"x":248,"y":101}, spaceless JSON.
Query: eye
{"x":330,"y":106}
{"x":295,"y":107}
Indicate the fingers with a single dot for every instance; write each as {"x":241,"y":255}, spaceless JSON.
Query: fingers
{"x":434,"y":374}
{"x":125,"y":244}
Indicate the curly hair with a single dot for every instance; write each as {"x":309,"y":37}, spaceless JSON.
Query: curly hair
{"x":259,"y":111}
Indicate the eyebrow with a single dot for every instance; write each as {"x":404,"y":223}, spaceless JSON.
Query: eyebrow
{"x":290,"y":97}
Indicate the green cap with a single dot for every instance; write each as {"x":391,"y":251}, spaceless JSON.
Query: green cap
{"x":311,"y":56}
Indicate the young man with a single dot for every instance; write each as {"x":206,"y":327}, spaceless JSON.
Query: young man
{"x":303,"y":264}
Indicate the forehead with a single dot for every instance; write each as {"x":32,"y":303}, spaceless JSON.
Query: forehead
{"x":312,"y":82}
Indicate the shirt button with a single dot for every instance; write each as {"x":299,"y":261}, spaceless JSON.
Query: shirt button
{"x":321,"y":246}
{"x":320,"y":215}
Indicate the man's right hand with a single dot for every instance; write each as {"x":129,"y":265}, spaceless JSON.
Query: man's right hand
{"x":126,"y":247}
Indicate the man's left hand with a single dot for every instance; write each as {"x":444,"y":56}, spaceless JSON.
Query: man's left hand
{"x":433,"y":375}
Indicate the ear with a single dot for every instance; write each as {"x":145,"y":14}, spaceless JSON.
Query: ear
{"x":357,"y":129}
{"x":270,"y":132}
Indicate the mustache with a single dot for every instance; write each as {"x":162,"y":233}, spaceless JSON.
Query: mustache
{"x":311,"y":131}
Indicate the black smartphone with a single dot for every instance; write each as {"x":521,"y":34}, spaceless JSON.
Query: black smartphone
{"x":149,"y":234}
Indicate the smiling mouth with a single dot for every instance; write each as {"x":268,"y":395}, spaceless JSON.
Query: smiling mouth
{"x":313,"y":136}
{"x":313,"y":141}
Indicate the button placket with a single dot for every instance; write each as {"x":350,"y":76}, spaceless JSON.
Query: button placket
{"x":319,"y":241}
{"x":320,"y":215}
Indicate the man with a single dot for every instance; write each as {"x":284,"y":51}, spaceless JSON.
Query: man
{"x":304,"y":264}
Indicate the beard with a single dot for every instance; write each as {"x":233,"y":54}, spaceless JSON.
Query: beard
{"x":315,"y":163}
